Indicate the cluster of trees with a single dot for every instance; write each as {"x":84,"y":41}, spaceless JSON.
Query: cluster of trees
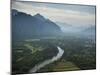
{"x":77,"y":52}
{"x":80,"y":51}
{"x":29,"y":60}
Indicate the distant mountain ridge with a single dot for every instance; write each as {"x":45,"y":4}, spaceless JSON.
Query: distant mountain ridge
{"x":25,"y":26}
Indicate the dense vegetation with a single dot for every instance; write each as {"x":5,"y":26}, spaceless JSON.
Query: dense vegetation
{"x":23,"y":59}
{"x":79,"y":54}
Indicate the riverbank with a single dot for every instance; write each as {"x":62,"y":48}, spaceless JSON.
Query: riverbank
{"x":48,"y":61}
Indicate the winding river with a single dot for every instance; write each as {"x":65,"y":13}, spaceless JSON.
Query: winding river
{"x":48,"y":61}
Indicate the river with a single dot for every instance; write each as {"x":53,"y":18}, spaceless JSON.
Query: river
{"x":48,"y":61}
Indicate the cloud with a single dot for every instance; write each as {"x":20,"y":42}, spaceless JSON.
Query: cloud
{"x":57,"y":15}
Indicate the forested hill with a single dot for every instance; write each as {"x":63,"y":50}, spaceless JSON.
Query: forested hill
{"x":25,"y":26}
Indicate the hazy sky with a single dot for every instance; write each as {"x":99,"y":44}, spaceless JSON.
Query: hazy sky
{"x":79,"y":15}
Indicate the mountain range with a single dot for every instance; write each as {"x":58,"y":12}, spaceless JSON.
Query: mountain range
{"x":25,"y":26}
